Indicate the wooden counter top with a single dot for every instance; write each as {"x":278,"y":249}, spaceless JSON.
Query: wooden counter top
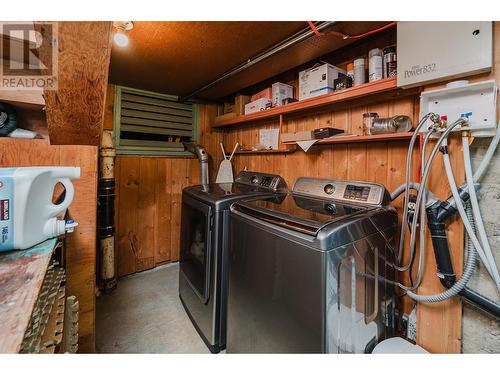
{"x":21,"y":276}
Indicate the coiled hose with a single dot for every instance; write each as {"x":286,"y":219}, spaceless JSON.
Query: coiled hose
{"x":8,"y":119}
{"x":469,"y":269}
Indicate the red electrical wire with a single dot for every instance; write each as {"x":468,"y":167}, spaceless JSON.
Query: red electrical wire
{"x":347,"y":36}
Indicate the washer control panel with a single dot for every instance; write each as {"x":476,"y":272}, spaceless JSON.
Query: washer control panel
{"x":341,"y":190}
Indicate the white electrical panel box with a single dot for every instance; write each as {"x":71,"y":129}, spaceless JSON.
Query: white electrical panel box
{"x":434,"y":51}
{"x":478,"y":100}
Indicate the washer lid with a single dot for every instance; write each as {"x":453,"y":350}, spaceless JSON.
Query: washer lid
{"x":222,"y":195}
{"x":299,"y":213}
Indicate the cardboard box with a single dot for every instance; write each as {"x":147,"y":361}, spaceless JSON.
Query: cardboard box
{"x":239,"y":104}
{"x":227,"y":108}
{"x":257,"y":105}
{"x":297,"y":136}
{"x":266,"y":93}
{"x":227,"y":116}
{"x":318,"y":80}
{"x":280,"y":92}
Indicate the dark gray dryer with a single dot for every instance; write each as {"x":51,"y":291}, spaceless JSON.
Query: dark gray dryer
{"x":203,"y":248}
{"x":313,"y":272}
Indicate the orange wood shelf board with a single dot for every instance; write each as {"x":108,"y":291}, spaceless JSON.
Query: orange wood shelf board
{"x":365,"y":90}
{"x":362,"y":138}
{"x":255,"y":152}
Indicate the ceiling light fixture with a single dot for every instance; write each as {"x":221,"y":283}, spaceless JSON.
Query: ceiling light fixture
{"x":121,"y":38}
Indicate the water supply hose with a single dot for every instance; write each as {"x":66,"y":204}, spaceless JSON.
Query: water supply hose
{"x":408,"y":264}
{"x":425,"y":175}
{"x":485,"y":162}
{"x":409,"y":156}
{"x":468,"y":215}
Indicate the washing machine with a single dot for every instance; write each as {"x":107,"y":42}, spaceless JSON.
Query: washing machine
{"x":203,"y":248}
{"x":312,"y":272}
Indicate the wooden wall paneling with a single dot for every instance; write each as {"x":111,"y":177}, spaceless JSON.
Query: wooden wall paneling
{"x":75,"y":110}
{"x":356,"y":152}
{"x":146,"y":213}
{"x":324,"y":159}
{"x":80,"y":245}
{"x":376,"y":162}
{"x":163,"y":211}
{"x":149,"y":201}
{"x":178,"y":182}
{"x":128,"y":172}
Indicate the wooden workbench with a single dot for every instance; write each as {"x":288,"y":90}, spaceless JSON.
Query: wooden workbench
{"x":21,"y":276}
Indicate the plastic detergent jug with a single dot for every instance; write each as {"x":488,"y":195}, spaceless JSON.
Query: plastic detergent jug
{"x":27,"y":214}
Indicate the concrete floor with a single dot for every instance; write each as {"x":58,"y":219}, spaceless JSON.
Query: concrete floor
{"x":144,"y":315}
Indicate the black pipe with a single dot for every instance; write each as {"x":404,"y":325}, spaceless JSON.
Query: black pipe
{"x":481,"y":302}
{"x":446,"y":274}
{"x":106,"y":206}
{"x":437,"y":229}
{"x":448,"y":207}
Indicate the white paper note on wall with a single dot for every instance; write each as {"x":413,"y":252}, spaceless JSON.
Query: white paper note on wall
{"x":269,"y":138}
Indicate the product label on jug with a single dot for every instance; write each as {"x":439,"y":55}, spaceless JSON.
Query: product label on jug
{"x":6,"y":208}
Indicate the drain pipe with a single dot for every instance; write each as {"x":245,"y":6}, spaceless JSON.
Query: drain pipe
{"x":203,"y":157}
{"x":106,"y":206}
{"x":298,"y":37}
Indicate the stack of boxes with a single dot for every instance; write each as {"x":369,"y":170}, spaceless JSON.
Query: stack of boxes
{"x":274,"y":96}
{"x":315,"y":81}
{"x":318,"y":80}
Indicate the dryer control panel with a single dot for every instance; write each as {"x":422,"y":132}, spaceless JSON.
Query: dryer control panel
{"x":262,"y":180}
{"x":356,"y":192}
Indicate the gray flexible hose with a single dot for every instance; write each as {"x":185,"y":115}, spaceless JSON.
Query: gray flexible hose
{"x":401,"y":188}
{"x":425,"y":175}
{"x":404,"y":267}
{"x":487,"y":157}
{"x":409,"y":156}
{"x":469,"y":269}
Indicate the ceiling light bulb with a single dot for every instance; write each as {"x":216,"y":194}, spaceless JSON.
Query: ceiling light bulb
{"x":121,"y":39}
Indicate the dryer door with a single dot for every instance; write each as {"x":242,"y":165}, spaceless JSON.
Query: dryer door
{"x":196,"y":245}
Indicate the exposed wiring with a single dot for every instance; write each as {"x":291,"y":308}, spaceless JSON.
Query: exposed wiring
{"x":347,"y":36}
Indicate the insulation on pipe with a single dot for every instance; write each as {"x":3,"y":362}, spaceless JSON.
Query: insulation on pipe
{"x":106,"y":206}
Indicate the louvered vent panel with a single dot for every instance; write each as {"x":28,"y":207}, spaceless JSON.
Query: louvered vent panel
{"x":153,"y":122}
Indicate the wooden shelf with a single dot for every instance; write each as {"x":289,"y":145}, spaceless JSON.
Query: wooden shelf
{"x":362,"y":138}
{"x":21,"y":276}
{"x":29,"y":99}
{"x":256,"y":152}
{"x":368,"y":91}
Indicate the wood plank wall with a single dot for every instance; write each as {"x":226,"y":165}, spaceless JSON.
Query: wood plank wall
{"x":148,"y":203}
{"x":80,"y":245}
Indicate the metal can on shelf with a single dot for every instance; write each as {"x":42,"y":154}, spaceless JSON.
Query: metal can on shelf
{"x":359,"y":72}
{"x":390,"y":62}
{"x":368,"y":119}
{"x":375,"y":70}
{"x":395,"y":124}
